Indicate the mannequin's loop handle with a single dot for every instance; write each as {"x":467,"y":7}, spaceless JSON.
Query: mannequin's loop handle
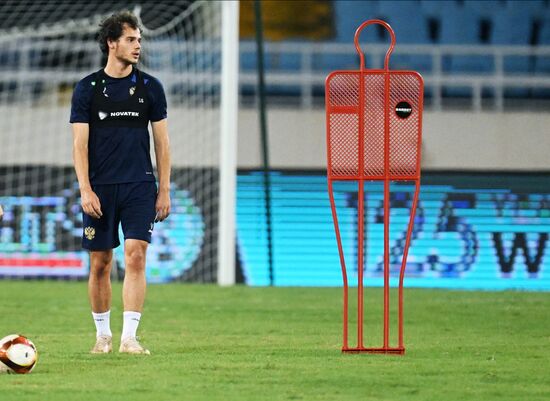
{"x":390,"y":49}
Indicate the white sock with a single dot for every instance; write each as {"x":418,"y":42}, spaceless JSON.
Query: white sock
{"x":130,"y":324}
{"x":102,"y":323}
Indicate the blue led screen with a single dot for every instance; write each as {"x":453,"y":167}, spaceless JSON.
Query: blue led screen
{"x":40,"y":234}
{"x":470,"y":232}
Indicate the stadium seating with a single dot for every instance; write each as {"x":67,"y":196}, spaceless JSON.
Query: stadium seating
{"x":407,"y":20}
{"x":425,"y":22}
{"x":348,"y":15}
{"x":542,"y":63}
{"x":435,"y":9}
{"x":411,"y":27}
{"x":513,"y":27}
{"x":460,"y":27}
{"x":533,"y":7}
{"x":485,"y":8}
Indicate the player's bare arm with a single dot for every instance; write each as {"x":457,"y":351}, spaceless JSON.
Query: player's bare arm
{"x":162,"y":152}
{"x":89,"y":200}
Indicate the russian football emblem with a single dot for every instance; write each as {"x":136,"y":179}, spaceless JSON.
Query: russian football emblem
{"x":132,"y":90}
{"x":89,"y":233}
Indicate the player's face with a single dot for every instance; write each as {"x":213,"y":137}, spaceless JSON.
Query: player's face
{"x":128,"y":46}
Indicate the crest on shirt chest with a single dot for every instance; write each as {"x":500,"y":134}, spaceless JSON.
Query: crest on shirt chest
{"x":132,"y":90}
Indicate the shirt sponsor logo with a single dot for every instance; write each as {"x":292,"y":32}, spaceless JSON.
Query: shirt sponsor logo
{"x":103,"y":115}
{"x":124,"y":114}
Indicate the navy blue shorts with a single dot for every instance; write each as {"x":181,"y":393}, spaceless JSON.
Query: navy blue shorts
{"x":132,"y":204}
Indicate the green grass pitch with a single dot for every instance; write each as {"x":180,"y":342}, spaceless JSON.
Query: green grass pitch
{"x":241,"y":343}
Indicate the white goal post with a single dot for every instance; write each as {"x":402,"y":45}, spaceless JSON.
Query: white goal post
{"x":228,"y":143}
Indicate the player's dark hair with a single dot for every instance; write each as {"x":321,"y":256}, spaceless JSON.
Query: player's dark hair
{"x":111,"y":28}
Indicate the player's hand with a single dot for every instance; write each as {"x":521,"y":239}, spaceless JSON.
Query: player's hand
{"x":90,"y":203}
{"x":1,"y":213}
{"x":162,"y":206}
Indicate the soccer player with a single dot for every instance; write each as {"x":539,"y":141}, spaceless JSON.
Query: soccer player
{"x":110,"y":113}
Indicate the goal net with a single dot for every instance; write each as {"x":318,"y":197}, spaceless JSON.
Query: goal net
{"x":45,"y":49}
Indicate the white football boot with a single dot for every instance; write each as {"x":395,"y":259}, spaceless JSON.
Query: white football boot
{"x":103,"y":345}
{"x":131,"y":345}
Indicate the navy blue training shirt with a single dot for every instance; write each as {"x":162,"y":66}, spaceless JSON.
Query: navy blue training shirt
{"x":118,"y":111}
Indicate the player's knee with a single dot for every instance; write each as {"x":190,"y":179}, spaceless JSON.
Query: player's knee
{"x":135,"y":259}
{"x":100,"y":264}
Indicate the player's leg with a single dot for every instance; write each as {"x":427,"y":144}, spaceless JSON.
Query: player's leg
{"x":134,"y":287}
{"x":99,"y":292}
{"x":100,"y":236}
{"x":137,"y":217}
{"x":99,"y":282}
{"x":133,"y":294}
